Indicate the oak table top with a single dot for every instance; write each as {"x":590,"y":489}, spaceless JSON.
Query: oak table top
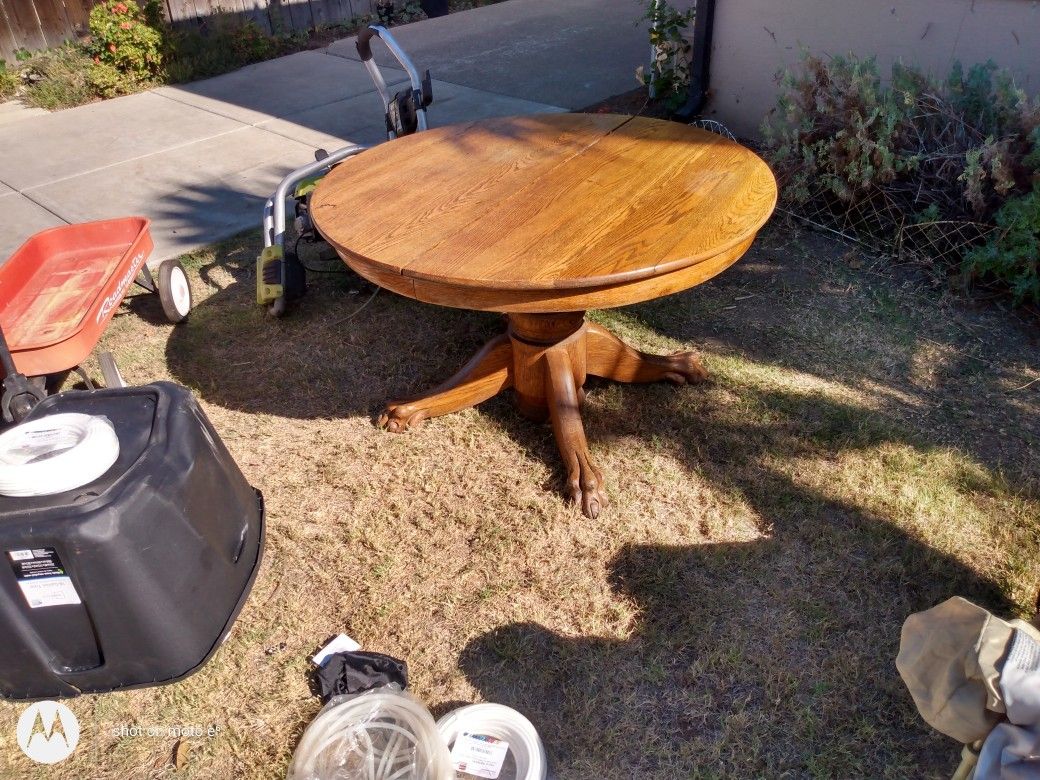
{"x":493,"y":214}
{"x":543,"y":217}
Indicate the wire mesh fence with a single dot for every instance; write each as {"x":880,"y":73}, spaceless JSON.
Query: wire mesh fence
{"x":880,"y":224}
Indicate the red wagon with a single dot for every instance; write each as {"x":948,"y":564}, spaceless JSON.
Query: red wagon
{"x":60,"y":289}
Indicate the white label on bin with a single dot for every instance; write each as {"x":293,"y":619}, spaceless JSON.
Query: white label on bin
{"x":479,"y":755}
{"x":42,"y":578}
{"x":49,"y":592}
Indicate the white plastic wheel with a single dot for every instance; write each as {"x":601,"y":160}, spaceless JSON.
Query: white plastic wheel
{"x":174,"y":291}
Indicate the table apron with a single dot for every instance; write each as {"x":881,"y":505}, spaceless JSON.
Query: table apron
{"x":546,"y":300}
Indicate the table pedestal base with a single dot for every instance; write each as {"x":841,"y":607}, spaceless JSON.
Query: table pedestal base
{"x":546,"y":358}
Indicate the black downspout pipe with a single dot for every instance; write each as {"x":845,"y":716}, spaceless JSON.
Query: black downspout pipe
{"x":434,"y":8}
{"x":700,"y":67}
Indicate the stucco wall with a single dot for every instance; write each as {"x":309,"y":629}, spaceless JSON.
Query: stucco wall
{"x":753,"y":39}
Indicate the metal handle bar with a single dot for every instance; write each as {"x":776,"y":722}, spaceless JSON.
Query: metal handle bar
{"x":364,"y":48}
{"x":274,"y":209}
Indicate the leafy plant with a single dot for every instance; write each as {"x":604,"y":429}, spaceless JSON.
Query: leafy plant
{"x":126,"y":44}
{"x":411,"y":11}
{"x":669,"y":74}
{"x":227,"y":43}
{"x":390,"y":13}
{"x":918,"y":165}
{"x":251,"y":44}
{"x":1012,"y":257}
{"x":57,"y":78}
{"x":385,"y":12}
{"x":9,"y":82}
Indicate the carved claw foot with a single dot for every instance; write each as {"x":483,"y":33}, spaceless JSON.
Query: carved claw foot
{"x":685,"y":367}
{"x":398,"y":418}
{"x":486,"y":374}
{"x":585,"y":483}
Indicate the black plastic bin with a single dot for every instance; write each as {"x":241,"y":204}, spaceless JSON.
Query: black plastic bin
{"x":161,"y":551}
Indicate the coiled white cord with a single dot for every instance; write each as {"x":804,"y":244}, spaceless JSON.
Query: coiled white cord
{"x":383,"y":734}
{"x":56,"y":453}
{"x":501,"y":722}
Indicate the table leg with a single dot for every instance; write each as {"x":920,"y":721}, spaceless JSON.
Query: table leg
{"x":546,"y":358}
{"x":609,"y":357}
{"x":488,"y":373}
{"x":563,"y":395}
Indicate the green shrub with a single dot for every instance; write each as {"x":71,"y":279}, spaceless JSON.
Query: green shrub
{"x":57,"y":78}
{"x":226,"y":44}
{"x":107,"y":81}
{"x":916,"y":166}
{"x":1012,"y":256}
{"x":127,"y":46}
{"x":251,"y":44}
{"x":9,"y":82}
{"x":389,"y":13}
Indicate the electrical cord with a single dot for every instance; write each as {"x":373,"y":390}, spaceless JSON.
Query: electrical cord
{"x":342,"y":268}
{"x":358,"y":310}
{"x":501,"y":722}
{"x":383,"y":734}
{"x":55,"y":453}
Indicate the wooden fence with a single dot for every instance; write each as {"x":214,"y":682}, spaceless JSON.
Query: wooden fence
{"x":38,"y":24}
{"x":270,"y":15}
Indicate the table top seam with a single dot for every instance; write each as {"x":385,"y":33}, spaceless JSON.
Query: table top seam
{"x":525,"y":187}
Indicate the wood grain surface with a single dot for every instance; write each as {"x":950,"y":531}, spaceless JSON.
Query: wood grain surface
{"x":512,"y":214}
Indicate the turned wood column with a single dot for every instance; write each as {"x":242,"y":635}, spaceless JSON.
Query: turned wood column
{"x":532,"y":336}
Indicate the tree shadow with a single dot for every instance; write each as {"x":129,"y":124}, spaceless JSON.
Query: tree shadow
{"x":755,"y":659}
{"x":770,"y":658}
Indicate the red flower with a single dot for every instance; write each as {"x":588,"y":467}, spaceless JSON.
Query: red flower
{"x":120,"y":8}
{"x":112,"y":48}
{"x":125,"y":25}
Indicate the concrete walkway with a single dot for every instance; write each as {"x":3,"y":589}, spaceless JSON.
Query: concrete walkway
{"x":200,"y":159}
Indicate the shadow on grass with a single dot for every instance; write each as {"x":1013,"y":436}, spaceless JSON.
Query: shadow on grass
{"x":794,"y":303}
{"x":768,"y":658}
{"x":328,"y":357}
{"x":731,"y":669}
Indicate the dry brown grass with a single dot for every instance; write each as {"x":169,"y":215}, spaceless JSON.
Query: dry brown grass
{"x":860,"y":453}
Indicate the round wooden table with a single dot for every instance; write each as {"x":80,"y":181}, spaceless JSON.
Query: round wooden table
{"x":542,"y":217}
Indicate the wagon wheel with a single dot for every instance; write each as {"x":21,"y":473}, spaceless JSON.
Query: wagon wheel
{"x":174,"y":291}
